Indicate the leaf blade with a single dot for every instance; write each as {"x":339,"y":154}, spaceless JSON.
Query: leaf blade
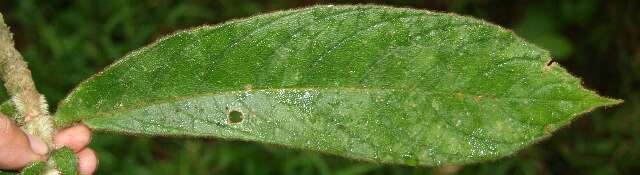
{"x":36,"y":168}
{"x":366,"y":82}
{"x":65,"y":160}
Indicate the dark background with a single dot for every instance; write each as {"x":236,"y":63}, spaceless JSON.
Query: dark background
{"x":67,"y":41}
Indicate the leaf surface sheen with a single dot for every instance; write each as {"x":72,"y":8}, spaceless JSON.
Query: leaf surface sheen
{"x":374,"y":83}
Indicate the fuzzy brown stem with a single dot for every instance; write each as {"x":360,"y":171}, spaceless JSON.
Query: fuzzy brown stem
{"x":17,"y":80}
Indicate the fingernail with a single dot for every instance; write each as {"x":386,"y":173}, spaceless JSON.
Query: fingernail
{"x":37,"y":145}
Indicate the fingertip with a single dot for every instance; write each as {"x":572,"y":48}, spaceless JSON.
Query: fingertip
{"x":76,"y":137}
{"x":87,"y":161}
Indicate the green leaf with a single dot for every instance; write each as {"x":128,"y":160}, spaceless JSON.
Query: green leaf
{"x":37,"y":168}
{"x":65,"y":160}
{"x":381,"y":84}
{"x":8,"y":108}
{"x":7,"y":173}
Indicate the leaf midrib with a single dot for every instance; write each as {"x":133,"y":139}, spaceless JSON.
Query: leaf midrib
{"x":302,"y":89}
{"x":337,"y":89}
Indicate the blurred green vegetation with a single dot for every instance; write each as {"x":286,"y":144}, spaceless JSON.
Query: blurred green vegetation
{"x":67,"y":41}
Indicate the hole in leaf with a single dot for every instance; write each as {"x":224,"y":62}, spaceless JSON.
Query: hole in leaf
{"x":550,"y":62}
{"x":235,"y":117}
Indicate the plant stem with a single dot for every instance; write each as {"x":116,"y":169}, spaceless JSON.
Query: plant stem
{"x":30,"y":104}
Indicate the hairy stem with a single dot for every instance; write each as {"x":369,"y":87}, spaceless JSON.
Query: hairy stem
{"x":30,"y":104}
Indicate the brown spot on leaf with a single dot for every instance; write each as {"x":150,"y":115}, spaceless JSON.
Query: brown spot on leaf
{"x":548,"y":129}
{"x":550,"y":64}
{"x":459,"y":96}
{"x":477,"y":98}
